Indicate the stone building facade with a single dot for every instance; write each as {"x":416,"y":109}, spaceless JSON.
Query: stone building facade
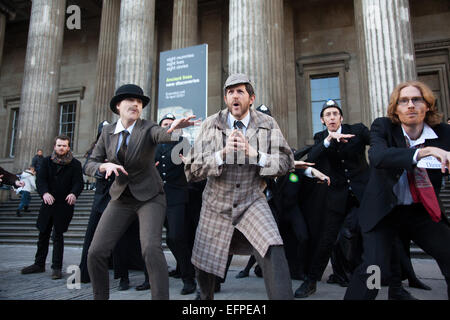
{"x":297,"y":52}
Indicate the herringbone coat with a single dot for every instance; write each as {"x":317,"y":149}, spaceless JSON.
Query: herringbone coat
{"x":233,"y":197}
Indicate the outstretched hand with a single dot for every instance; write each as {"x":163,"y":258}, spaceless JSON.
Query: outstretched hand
{"x":339,"y":137}
{"x":299,"y":164}
{"x":184,"y":123}
{"x":322,"y":177}
{"x":111,"y":168}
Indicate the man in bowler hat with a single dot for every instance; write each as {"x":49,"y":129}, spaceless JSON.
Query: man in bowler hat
{"x":129,"y":145}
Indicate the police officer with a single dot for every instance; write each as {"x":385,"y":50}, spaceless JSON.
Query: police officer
{"x":171,"y":170}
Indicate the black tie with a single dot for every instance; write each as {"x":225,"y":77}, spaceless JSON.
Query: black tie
{"x":238,"y":124}
{"x":123,"y":147}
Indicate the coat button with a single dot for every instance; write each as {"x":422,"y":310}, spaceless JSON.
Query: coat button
{"x":164,"y":173}
{"x":163,"y":157}
{"x":238,"y":185}
{"x":164,"y":165}
{"x":348,"y":180}
{"x":235,"y":205}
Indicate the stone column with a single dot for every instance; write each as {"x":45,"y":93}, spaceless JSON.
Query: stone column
{"x":38,"y":115}
{"x":385,"y":40}
{"x":185,"y":23}
{"x":247,"y":51}
{"x":2,"y":35}
{"x":277,"y":63}
{"x":106,"y":61}
{"x":256,"y":48}
{"x":135,"y":45}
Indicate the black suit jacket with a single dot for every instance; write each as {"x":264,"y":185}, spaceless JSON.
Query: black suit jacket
{"x":344,"y":163}
{"x":172,"y":174}
{"x":389,"y":157}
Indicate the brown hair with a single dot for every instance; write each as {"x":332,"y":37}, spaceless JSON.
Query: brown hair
{"x":248,"y":87}
{"x":432,"y":117}
{"x":61,"y":137}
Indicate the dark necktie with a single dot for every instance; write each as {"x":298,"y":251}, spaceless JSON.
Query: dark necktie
{"x":422,"y":190}
{"x":123,"y":147}
{"x":238,"y":124}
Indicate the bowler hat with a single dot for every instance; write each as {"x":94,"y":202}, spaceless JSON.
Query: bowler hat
{"x":128,"y":91}
{"x":167,"y":116}
{"x":330,"y":103}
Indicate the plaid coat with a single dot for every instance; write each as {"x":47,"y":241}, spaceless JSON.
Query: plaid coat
{"x":233,"y":197}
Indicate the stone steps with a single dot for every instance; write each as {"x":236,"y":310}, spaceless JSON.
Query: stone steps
{"x":22,"y":230}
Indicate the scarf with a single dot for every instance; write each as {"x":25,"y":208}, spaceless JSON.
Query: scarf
{"x":64,"y":160}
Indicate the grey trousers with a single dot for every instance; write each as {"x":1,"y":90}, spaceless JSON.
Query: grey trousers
{"x":276,"y":274}
{"x":115,"y":220}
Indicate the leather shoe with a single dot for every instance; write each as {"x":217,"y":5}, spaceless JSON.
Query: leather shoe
{"x":188,"y":287}
{"x":334,"y":279}
{"x":416,"y":283}
{"x":56,"y":274}
{"x":174,"y":274}
{"x":34,"y":268}
{"x":144,"y":286}
{"x":399,"y":293}
{"x":307,"y":288}
{"x":258,"y":271}
{"x":124,"y":284}
{"x":242,"y":274}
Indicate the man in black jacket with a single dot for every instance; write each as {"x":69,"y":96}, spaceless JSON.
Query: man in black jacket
{"x":36,"y":162}
{"x":342,"y":148}
{"x":402,"y":195}
{"x":171,"y":170}
{"x":59,"y":183}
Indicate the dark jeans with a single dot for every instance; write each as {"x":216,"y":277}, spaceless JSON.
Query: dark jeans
{"x":24,"y":200}
{"x":43,"y":243}
{"x":415,"y":221}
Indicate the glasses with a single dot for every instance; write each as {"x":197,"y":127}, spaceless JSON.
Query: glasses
{"x":415,"y":100}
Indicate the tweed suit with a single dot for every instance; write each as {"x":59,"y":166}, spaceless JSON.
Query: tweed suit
{"x":233,"y":198}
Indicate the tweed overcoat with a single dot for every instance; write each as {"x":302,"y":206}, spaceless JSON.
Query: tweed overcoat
{"x":233,"y":197}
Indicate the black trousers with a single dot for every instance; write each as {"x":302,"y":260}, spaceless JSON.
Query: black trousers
{"x":329,"y":233}
{"x":43,"y":243}
{"x":92,"y":225}
{"x":415,"y":221}
{"x":178,"y":240}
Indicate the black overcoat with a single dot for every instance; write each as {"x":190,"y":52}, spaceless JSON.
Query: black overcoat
{"x":59,"y":181}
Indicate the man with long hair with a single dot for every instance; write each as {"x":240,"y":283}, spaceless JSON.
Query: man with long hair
{"x":409,"y":153}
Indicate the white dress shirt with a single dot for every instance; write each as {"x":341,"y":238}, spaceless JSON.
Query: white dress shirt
{"x":401,"y":188}
{"x":119,"y":129}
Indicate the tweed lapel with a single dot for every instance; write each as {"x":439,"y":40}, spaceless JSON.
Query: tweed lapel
{"x":256,"y":122}
{"x":221,"y":122}
{"x":114,"y":139}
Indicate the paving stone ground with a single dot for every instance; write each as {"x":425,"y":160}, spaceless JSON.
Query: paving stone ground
{"x":15,"y":286}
